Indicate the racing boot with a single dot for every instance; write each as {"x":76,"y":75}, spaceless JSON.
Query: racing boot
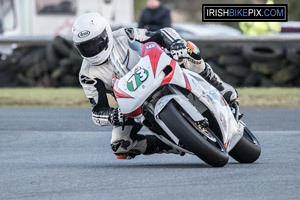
{"x":155,"y":145}
{"x":126,"y":143}
{"x":151,"y":144}
{"x":229,"y":93}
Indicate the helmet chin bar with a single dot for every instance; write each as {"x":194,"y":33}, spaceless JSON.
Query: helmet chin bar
{"x":101,"y":57}
{"x":97,"y":59}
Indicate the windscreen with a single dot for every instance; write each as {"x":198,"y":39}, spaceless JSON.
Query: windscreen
{"x":125,"y":56}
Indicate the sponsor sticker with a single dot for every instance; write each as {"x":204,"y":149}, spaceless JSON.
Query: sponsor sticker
{"x":137,"y":79}
{"x":84,"y":34}
{"x":150,"y":46}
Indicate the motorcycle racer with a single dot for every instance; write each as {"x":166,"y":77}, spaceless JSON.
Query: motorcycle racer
{"x":94,"y":39}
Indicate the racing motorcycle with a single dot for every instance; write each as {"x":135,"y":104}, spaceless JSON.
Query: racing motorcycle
{"x":180,"y":107}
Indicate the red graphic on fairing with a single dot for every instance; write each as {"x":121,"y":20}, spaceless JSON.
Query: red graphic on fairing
{"x":135,"y":113}
{"x":154,"y":52}
{"x":187,"y":82}
{"x":169,"y":76}
{"x":118,"y":92}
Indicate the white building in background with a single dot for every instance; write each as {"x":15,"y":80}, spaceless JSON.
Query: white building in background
{"x":56,"y":17}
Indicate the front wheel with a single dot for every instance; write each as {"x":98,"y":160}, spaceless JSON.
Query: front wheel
{"x":206,"y":146}
{"x":247,"y":150}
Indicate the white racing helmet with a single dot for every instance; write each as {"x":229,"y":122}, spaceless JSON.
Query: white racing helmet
{"x":92,"y":36}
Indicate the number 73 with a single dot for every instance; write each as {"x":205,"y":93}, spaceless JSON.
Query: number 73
{"x":137,"y":79}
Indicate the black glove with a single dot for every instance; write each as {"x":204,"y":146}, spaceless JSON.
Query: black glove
{"x":178,"y":49}
{"x":116,"y":118}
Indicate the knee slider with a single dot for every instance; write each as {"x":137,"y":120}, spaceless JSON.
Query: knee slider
{"x":115,"y":146}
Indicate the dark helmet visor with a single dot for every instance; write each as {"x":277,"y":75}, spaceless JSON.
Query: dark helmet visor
{"x":93,"y":46}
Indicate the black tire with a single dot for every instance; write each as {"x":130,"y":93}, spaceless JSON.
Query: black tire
{"x":7,"y":78}
{"x":5,"y":64}
{"x":253,"y":79}
{"x":267,"y":68}
{"x":26,"y":61}
{"x":233,"y":80}
{"x":215,"y":51}
{"x":286,"y":74}
{"x":247,"y":150}
{"x":51,"y":57}
{"x":296,"y":83}
{"x":62,"y":46}
{"x":191,"y":138}
{"x":240,"y":71}
{"x":21,"y":80}
{"x":231,"y":60}
{"x":217,"y":69}
{"x":70,"y":81}
{"x":265,"y":82}
{"x":293,"y":55}
{"x":262,"y":53}
{"x":66,"y":65}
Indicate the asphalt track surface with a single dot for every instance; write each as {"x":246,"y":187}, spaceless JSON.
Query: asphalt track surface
{"x":50,"y":153}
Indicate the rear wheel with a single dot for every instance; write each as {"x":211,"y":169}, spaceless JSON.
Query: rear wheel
{"x":247,"y":150}
{"x":202,"y":142}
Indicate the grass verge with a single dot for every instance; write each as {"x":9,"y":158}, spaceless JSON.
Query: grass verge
{"x":269,"y":97}
{"x":75,"y":97}
{"x":45,"y":97}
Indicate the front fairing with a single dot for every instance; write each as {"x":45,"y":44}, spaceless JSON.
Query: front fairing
{"x":138,"y":91}
{"x":132,"y":89}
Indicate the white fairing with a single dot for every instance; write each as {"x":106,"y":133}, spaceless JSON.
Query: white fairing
{"x":182,"y":101}
{"x":152,"y":82}
{"x":186,"y":105}
{"x":232,"y":131}
{"x":214,"y":101}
